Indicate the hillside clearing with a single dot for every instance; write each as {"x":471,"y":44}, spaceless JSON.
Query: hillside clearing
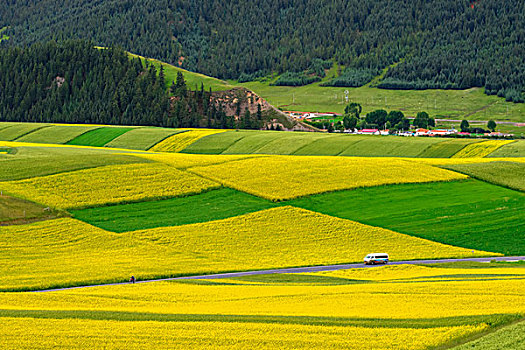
{"x":56,"y":134}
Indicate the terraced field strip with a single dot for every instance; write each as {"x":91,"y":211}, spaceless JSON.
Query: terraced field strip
{"x":514,"y":149}
{"x":44,"y":161}
{"x":447,"y":148}
{"x":142,"y":138}
{"x":180,"y":141}
{"x":184,"y":161}
{"x":390,"y":147}
{"x":298,"y":143}
{"x":99,"y":137}
{"x":279,"y":178}
{"x":251,"y":142}
{"x":217,"y":143}
{"x":330,"y":146}
{"x":418,"y":307}
{"x":56,"y":134}
{"x":213,"y":205}
{"x":68,"y":252}
{"x":470,"y":214}
{"x":481,"y":149}
{"x":4,"y":125}
{"x":506,"y":174}
{"x":17,"y":130}
{"x":289,"y":143}
{"x":108,"y":185}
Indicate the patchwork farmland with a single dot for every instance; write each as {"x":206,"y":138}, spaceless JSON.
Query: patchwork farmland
{"x":92,"y":205}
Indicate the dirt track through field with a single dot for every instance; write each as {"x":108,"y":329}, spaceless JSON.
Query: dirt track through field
{"x":307,"y":269}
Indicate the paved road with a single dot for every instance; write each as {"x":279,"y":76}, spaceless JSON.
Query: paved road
{"x":299,"y":270}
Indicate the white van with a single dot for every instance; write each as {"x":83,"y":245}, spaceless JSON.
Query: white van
{"x":376,"y":258}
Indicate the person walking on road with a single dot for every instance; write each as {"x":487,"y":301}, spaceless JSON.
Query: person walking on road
{"x":132,"y":279}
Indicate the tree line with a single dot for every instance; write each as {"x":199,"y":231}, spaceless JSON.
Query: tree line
{"x":73,"y":82}
{"x":448,"y":44}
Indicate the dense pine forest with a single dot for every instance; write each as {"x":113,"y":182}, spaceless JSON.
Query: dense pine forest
{"x":73,"y":82}
{"x":450,"y":44}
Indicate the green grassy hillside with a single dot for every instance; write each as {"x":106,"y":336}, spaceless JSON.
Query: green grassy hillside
{"x":445,"y":104}
{"x":194,"y":80}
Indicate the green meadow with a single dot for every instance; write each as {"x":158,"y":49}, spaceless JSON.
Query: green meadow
{"x":470,"y":214}
{"x":56,"y":134}
{"x":141,"y":138}
{"x":471,"y":104}
{"x":99,"y":137}
{"x":213,"y":205}
{"x":506,"y":174}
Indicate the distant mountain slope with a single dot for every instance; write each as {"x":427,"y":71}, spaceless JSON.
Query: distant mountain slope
{"x":439,"y":44}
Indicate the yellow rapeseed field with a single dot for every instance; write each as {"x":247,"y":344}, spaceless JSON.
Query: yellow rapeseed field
{"x":67,"y":251}
{"x":422,"y":295}
{"x":392,"y":307}
{"x":178,"y":142}
{"x":184,"y":161}
{"x":285,"y":177}
{"x":30,"y":333}
{"x":108,"y":184}
{"x":481,"y":149}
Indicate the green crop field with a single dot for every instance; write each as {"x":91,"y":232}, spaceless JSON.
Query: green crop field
{"x":299,"y":143}
{"x":24,"y":165}
{"x":208,"y":206}
{"x":141,"y":138}
{"x":57,"y":134}
{"x":18,"y":130}
{"x":507,"y":174}
{"x":509,"y":338}
{"x":514,"y":149}
{"x":446,"y":149}
{"x":470,"y":213}
{"x":472,"y":104}
{"x":99,"y":137}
